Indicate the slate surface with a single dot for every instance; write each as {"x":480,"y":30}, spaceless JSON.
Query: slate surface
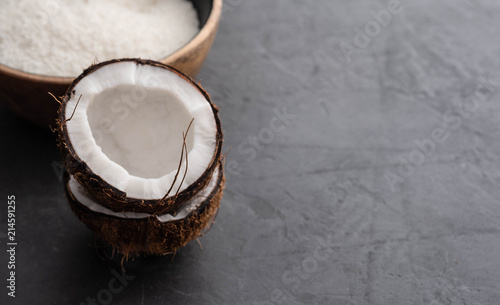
{"x":309,"y":216}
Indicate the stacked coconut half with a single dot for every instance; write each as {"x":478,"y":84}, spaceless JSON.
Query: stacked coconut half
{"x":141,"y":144}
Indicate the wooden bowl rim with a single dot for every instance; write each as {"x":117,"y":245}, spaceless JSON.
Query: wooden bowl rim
{"x":209,"y":27}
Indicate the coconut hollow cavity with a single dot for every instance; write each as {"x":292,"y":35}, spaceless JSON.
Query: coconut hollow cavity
{"x":139,"y":136}
{"x":133,"y":234}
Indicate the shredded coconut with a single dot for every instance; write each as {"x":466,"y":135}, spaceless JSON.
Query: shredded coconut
{"x":63,"y":37}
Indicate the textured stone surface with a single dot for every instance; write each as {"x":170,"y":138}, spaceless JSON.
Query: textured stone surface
{"x":310,"y":218}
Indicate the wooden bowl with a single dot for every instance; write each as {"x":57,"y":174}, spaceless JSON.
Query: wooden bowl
{"x":26,"y":94}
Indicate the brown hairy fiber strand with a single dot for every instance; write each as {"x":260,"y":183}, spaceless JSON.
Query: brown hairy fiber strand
{"x":109,"y":196}
{"x":184,"y":148}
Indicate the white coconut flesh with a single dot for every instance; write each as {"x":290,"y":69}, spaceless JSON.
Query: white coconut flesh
{"x":194,"y":203}
{"x":128,"y":128}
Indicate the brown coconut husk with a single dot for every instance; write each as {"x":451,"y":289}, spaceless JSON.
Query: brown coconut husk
{"x":149,"y":236}
{"x":108,"y":195}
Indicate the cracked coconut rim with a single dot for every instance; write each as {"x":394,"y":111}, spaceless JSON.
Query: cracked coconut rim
{"x":86,"y":200}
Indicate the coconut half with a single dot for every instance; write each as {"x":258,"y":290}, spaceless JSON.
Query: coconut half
{"x":139,"y":136}
{"x":147,"y":234}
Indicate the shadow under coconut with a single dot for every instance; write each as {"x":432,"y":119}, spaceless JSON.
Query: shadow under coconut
{"x":83,"y":273}
{"x":178,"y":276}
{"x":92,"y":273}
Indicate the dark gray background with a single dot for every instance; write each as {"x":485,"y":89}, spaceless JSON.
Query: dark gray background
{"x":433,"y":239}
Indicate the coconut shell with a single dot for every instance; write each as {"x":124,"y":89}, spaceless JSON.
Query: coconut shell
{"x":108,"y":195}
{"x":149,"y":236}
